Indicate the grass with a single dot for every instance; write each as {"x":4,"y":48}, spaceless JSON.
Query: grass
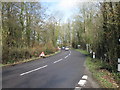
{"x":82,"y":51}
{"x":1,"y":65}
{"x":104,"y":78}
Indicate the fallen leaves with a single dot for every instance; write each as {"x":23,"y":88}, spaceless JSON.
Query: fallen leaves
{"x":107,"y":78}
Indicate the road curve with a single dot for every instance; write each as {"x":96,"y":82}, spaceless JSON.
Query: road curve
{"x":63,"y":70}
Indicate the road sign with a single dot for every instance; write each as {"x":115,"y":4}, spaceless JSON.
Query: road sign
{"x":42,"y":54}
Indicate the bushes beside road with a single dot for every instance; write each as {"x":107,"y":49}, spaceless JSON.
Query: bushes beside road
{"x":19,"y":54}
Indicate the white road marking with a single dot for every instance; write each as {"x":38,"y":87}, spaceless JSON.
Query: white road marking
{"x":58,"y":60}
{"x":66,"y":56}
{"x":78,"y":88}
{"x":82,"y":82}
{"x":85,"y":77}
{"x":33,"y":70}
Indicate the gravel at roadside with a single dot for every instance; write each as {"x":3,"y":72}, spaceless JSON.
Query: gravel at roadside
{"x":91,"y":83}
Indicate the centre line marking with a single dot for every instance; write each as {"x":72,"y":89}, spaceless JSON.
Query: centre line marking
{"x":66,"y":56}
{"x":33,"y":70}
{"x":58,"y":60}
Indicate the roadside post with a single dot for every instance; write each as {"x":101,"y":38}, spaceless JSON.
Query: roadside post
{"x":78,"y":46}
{"x":93,"y":54}
{"x":118,"y":57}
{"x":90,"y":51}
{"x":119,"y":64}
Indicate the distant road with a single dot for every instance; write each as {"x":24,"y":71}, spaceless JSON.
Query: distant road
{"x":63,"y":70}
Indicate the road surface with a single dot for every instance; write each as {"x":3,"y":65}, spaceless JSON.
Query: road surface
{"x":63,"y":70}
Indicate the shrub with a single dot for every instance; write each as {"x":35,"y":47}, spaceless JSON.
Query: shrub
{"x":17,"y":54}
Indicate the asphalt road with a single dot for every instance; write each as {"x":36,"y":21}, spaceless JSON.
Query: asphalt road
{"x":63,"y":70}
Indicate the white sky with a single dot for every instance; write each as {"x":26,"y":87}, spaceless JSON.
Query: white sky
{"x":64,"y":4}
{"x":63,"y":9}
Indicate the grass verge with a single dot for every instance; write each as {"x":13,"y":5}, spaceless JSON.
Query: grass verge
{"x":27,"y":60}
{"x":82,"y":51}
{"x":1,"y":65}
{"x":104,"y":78}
